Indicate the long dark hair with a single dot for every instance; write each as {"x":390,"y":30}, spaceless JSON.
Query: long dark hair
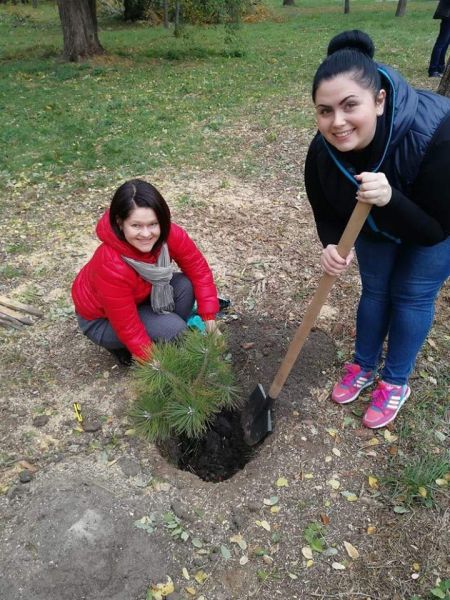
{"x":350,"y":52}
{"x":138,"y":193}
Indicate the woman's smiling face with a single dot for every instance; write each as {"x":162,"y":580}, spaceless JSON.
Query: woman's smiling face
{"x":347,"y":113}
{"x":141,"y":229}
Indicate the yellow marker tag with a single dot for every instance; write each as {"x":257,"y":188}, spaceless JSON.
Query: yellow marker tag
{"x":77,"y":411}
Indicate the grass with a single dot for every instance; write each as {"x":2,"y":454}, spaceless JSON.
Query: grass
{"x":420,"y":480}
{"x":156,"y":101}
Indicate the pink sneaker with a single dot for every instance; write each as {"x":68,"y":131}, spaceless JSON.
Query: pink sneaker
{"x":352,"y":384}
{"x":387,"y":400}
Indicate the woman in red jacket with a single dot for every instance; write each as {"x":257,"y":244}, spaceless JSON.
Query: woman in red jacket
{"x":126,"y":295}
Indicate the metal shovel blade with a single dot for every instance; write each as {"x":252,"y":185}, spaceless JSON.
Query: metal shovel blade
{"x":256,"y":416}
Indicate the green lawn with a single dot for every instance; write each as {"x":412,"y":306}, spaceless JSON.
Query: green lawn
{"x":156,"y":101}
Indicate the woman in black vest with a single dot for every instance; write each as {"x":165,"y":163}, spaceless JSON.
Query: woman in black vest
{"x":382,"y":142}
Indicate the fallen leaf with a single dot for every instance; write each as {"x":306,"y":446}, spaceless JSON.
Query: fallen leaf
{"x":416,"y":566}
{"x":372,"y":442}
{"x":186,"y":573}
{"x":309,"y":563}
{"x":325,"y":519}
{"x":275,"y":509}
{"x":334,"y":483}
{"x":338,"y":566}
{"x":350,"y":496}
{"x":371,"y":529}
{"x":239,"y":540}
{"x":200,"y":577}
{"x":390,"y":437}
{"x":197,"y":543}
{"x":373,"y":482}
{"x":393,"y":450}
{"x":190,"y":590}
{"x":162,"y":486}
{"x":431,"y":343}
{"x":292,"y":576}
{"x":336,"y":451}
{"x":225,"y":552}
{"x":243,"y":560}
{"x":267,"y":559}
{"x":400,"y":510}
{"x":161,"y":590}
{"x":282,"y":482}
{"x":308,"y":476}
{"x":307,"y":552}
{"x":351,"y":550}
{"x":28,"y":466}
{"x":441,"y":482}
{"x":271,"y":501}
{"x":332,"y":432}
{"x":423,"y":492}
{"x":247,"y":345}
{"x":264,"y":524}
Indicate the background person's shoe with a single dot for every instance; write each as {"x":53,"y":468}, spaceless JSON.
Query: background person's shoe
{"x":352,"y":383}
{"x":387,"y":400}
{"x":435,"y":74}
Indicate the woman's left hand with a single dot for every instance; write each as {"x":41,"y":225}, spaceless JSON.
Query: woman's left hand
{"x":211,"y":327}
{"x":374,"y":188}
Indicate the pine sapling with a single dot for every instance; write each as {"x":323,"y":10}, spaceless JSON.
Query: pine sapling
{"x":184,"y":386}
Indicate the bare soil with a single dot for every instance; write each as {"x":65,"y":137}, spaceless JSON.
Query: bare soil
{"x":70,"y":532}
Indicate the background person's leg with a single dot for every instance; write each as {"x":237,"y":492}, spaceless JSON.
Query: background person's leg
{"x":437,"y":59}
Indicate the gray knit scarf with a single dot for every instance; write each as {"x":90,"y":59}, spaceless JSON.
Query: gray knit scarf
{"x":159,"y":276}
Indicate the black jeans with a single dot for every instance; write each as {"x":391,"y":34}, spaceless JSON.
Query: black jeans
{"x":159,"y":326}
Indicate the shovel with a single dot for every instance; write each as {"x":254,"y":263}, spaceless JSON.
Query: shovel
{"x":256,"y":417}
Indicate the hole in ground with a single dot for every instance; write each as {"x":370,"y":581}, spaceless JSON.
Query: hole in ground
{"x":219,"y":455}
{"x":257,"y":346}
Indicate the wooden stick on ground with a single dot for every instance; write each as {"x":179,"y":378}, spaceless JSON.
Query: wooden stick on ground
{"x":15,"y":315}
{"x":6,"y":321}
{"x":15,"y":305}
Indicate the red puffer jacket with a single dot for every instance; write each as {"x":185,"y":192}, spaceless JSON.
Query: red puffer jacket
{"x":107,"y":287}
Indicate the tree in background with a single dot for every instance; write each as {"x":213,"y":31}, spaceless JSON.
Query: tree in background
{"x":444,"y":86}
{"x":401,"y":8}
{"x":79,"y":25}
{"x":346,"y":7}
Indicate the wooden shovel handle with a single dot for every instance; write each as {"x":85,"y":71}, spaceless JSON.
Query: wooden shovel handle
{"x":346,"y":243}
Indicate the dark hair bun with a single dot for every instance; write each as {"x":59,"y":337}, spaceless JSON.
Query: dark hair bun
{"x":355,"y":40}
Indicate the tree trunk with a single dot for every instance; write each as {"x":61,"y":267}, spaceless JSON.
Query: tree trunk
{"x":401,"y":8}
{"x":166,"y":13}
{"x":288,"y":3}
{"x":177,"y":31}
{"x":444,"y":86}
{"x":346,"y":7}
{"x":79,"y":25}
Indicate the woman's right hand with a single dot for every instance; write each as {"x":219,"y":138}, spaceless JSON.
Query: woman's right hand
{"x":332,"y":263}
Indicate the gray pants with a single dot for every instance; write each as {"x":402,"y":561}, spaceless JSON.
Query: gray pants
{"x":159,"y":326}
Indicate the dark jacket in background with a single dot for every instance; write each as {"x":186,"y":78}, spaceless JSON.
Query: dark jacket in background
{"x":443,"y":10}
